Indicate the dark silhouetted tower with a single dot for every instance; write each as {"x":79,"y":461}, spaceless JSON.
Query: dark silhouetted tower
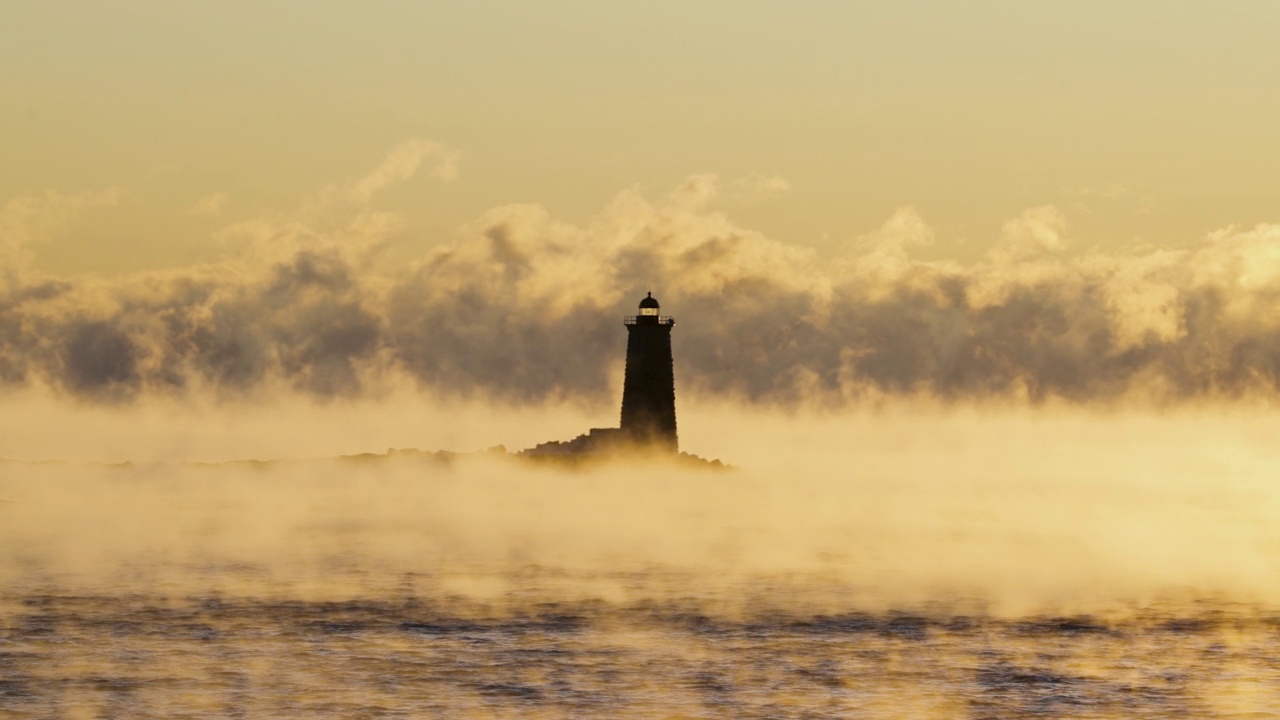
{"x":649,"y":391}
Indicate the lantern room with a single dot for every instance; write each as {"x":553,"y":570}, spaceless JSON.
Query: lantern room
{"x":648,"y":315}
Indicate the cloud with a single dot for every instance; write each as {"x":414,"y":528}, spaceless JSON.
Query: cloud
{"x":38,"y":217}
{"x":98,"y":356}
{"x":1034,"y":232}
{"x":525,"y":307}
{"x":403,"y":163}
{"x":696,"y":191}
{"x":212,"y":204}
{"x":1111,"y":197}
{"x":881,"y":261}
{"x":760,"y":186}
{"x":337,"y":217}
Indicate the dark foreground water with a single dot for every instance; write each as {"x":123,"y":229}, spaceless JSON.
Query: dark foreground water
{"x":148,"y":656}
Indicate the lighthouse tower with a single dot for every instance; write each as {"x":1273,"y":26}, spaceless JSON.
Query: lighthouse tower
{"x":649,"y":391}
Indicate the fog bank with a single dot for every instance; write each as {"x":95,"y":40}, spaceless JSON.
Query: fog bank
{"x":1008,"y":511}
{"x":525,"y":307}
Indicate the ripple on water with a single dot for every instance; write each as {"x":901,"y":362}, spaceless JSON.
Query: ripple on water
{"x":137,"y":656}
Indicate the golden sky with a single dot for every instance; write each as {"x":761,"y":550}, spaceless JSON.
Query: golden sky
{"x":961,"y":201}
{"x":1144,"y":121}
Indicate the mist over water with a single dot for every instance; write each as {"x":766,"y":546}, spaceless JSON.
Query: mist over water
{"x":953,"y":563}
{"x":524,"y":306}
{"x":985,"y":316}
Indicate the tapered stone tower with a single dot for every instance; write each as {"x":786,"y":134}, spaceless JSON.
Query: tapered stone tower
{"x":649,"y":390}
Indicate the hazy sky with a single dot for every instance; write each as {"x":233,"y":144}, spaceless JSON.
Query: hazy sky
{"x":842,"y":201}
{"x":1151,"y":121}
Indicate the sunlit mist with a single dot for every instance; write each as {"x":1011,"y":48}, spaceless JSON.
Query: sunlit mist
{"x":341,"y":374}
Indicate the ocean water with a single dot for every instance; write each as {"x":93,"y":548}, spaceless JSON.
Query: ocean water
{"x":144,"y":655}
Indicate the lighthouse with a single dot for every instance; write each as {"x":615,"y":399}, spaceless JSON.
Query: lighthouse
{"x":648,"y":390}
{"x":648,"y":400}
